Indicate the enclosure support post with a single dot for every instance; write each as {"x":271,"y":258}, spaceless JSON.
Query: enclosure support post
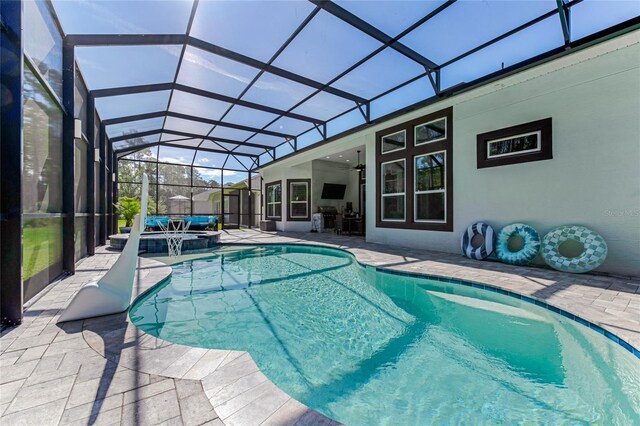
{"x":102,"y":190}
{"x":91,"y":195}
{"x":157,"y":185}
{"x":250,"y":198}
{"x":114,"y":191}
{"x":109,"y":188}
{"x":222,"y":199}
{"x":191,"y":189}
{"x":68,"y":160}
{"x":11,"y":74}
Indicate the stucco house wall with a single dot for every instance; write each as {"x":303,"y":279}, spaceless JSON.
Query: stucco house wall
{"x":593,"y":98}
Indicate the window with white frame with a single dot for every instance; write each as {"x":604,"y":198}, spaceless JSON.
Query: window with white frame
{"x":393,"y":190}
{"x":433,"y":131}
{"x":393,"y":142}
{"x":430,"y":190}
{"x":514,"y":145}
{"x":415,"y":184}
{"x":298,"y":199}
{"x":522,"y":143}
{"x":274,"y":200}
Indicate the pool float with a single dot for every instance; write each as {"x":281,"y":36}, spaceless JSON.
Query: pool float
{"x":593,"y":255}
{"x":487,"y":246}
{"x":529,"y":250}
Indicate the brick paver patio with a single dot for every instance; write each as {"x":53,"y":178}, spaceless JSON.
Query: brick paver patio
{"x":106,"y":371}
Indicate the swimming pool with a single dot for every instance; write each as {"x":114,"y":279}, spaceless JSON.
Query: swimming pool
{"x":367,"y":347}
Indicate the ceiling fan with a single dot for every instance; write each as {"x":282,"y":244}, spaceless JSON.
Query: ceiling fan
{"x":359,"y":167}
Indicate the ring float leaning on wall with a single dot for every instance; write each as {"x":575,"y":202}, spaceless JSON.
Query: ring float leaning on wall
{"x":529,"y":250}
{"x":593,"y":255}
{"x":485,"y":249}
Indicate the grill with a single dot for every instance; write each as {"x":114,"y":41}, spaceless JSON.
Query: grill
{"x":328,"y":216}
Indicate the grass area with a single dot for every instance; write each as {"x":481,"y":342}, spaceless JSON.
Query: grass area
{"x":41,"y":245}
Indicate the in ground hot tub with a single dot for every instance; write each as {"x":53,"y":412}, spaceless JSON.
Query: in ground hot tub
{"x":156,"y":242}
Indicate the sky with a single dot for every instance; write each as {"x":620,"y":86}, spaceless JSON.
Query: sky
{"x":322,"y":50}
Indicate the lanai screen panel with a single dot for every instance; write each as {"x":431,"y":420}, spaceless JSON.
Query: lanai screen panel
{"x":256,"y":80}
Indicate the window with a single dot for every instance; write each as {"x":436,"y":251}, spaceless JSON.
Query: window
{"x":274,"y":200}
{"x":520,"y":144}
{"x":393,"y":190}
{"x":430,"y":187}
{"x":523,"y":143}
{"x":298,"y":197}
{"x":415,"y":186}
{"x":432,"y":131}
{"x":393,"y":142}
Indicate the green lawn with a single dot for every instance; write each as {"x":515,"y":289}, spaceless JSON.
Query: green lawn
{"x":41,"y":245}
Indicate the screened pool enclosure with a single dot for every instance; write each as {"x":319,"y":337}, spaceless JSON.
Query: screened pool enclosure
{"x":184,"y":182}
{"x":201,"y":94}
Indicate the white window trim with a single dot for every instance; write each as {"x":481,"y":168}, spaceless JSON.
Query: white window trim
{"x":395,"y":194}
{"x":538,"y":148}
{"x":415,"y":132}
{"x":382,"y":151}
{"x":305,"y":202}
{"x":431,"y":191}
{"x":273,"y":206}
{"x":274,"y":203}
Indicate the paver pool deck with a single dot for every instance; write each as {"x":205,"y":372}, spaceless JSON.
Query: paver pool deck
{"x":105,"y":371}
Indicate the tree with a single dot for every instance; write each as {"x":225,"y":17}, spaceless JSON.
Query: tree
{"x":130,"y":171}
{"x":165,"y":180}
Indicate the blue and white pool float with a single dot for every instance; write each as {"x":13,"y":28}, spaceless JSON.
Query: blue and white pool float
{"x":488,"y":244}
{"x":529,"y":250}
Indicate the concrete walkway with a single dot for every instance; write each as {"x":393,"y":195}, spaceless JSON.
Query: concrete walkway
{"x":106,"y":371}
{"x":50,"y":375}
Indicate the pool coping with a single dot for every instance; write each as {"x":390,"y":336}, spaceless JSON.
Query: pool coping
{"x":229,"y":377}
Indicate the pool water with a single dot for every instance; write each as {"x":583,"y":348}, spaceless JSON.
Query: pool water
{"x":366,"y":347}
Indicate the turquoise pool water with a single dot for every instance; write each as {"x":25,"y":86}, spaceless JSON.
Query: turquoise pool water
{"x":366,"y":347}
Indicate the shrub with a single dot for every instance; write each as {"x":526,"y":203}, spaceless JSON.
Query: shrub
{"x":128,"y":208}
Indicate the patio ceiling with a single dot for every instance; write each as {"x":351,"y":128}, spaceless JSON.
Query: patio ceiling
{"x":264,"y":79}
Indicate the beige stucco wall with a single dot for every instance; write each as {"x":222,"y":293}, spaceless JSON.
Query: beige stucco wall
{"x":593,"y":179}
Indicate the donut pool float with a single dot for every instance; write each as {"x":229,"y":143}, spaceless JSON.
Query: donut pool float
{"x":529,"y":250}
{"x":593,"y":255}
{"x":485,"y":249}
